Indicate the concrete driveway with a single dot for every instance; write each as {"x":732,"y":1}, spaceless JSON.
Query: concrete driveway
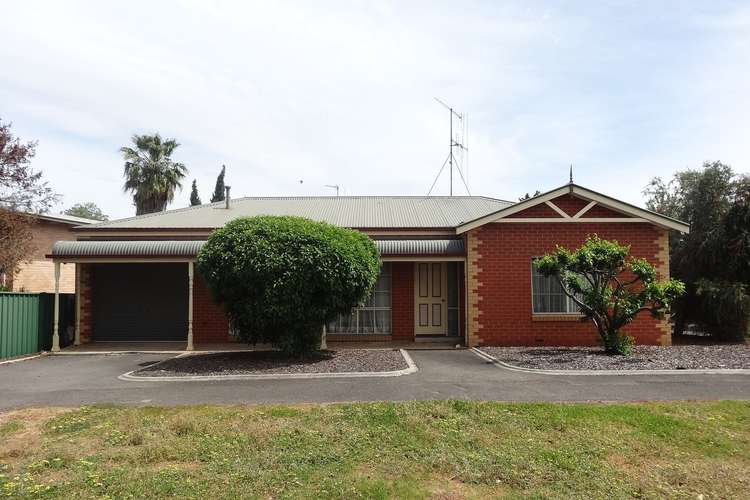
{"x":443,"y":374}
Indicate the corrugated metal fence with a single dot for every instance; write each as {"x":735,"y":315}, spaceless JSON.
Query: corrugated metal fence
{"x":26,"y":322}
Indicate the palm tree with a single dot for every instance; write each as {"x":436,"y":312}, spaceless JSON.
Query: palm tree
{"x":150,"y":173}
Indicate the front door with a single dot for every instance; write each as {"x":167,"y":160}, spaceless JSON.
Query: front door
{"x":430,"y":293}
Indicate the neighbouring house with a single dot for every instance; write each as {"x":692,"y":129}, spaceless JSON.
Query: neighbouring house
{"x":459,"y":269}
{"x":36,"y":274}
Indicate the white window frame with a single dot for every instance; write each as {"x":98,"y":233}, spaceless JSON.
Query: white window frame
{"x":571,"y":308}
{"x":356,"y":311}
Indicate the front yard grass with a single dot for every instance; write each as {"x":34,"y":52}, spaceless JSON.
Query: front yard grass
{"x":451,"y":449}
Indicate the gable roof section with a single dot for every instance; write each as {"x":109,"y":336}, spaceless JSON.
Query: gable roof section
{"x":361,"y":212}
{"x":631,"y":213}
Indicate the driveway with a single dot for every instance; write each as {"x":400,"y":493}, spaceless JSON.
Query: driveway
{"x":443,"y":374}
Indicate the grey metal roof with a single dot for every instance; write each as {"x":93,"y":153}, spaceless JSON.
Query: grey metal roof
{"x":64,"y":218}
{"x":169,"y":248}
{"x":347,"y":211}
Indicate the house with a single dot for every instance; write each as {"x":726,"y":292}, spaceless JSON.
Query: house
{"x":458,"y":268}
{"x":36,"y":275}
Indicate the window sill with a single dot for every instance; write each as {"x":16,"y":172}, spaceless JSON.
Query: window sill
{"x":556,"y":317}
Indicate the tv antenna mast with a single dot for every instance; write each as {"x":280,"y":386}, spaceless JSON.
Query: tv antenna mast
{"x":455,"y":142}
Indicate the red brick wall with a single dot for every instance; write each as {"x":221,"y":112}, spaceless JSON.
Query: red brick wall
{"x":210,"y":324}
{"x":501,"y":281}
{"x":402,"y":301}
{"x":600,"y":211}
{"x":85,"y":322}
{"x":569,"y":204}
{"x":541,"y":211}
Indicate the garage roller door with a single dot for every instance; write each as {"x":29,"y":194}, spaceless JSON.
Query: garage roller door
{"x":140,"y":302}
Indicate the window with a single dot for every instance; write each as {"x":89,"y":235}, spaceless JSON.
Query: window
{"x":548,"y":296}
{"x":374,"y":315}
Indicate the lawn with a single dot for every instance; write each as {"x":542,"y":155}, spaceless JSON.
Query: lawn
{"x":451,"y":449}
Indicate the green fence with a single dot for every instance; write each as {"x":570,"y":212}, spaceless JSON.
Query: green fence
{"x":27,"y":322}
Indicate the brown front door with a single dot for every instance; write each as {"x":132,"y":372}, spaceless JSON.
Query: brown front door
{"x":430,"y":294}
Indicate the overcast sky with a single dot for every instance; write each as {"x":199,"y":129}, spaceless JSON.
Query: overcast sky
{"x":342,"y":93}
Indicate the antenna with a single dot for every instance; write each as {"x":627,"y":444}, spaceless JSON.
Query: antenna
{"x":453,"y":143}
{"x":333,"y":186}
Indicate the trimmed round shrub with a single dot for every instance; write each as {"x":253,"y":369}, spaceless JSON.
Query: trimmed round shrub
{"x":280,"y":279}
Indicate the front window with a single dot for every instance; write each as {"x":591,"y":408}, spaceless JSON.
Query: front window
{"x":548,"y":296}
{"x":372,"y":317}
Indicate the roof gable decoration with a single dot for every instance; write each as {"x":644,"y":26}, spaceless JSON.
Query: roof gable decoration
{"x":630,"y":213}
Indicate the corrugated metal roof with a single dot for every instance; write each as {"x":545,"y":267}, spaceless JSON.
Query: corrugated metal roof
{"x":169,"y":248}
{"x":346,"y":211}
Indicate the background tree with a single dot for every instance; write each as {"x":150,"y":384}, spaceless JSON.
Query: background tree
{"x":713,"y":258}
{"x":528,"y":197}
{"x":87,"y":210}
{"x":21,"y":190}
{"x":194,"y":198}
{"x":150,"y":173}
{"x":280,"y":279}
{"x":219,"y":191}
{"x":609,"y":288}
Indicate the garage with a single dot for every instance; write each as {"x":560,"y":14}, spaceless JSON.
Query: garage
{"x":140,"y":302}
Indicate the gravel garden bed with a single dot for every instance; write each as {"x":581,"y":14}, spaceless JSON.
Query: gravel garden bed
{"x":684,"y":357}
{"x":273,"y":362}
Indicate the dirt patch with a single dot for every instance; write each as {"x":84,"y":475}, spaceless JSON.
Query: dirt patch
{"x":24,"y":440}
{"x":683,"y":357}
{"x":271,"y":362}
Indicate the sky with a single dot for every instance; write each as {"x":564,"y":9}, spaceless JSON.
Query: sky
{"x":294,"y":96}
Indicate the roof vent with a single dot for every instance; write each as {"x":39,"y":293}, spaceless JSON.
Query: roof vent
{"x":226,"y":198}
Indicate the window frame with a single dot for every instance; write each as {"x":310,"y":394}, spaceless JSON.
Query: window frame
{"x":568,"y":301}
{"x":367,"y":308}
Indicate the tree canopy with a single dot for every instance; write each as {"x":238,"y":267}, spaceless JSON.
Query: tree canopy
{"x":87,"y":210}
{"x":714,"y":258}
{"x":22,"y":189}
{"x":609,"y":287}
{"x":280,"y":279}
{"x":150,"y":173}
{"x":194,"y":198}
{"x":219,"y":188}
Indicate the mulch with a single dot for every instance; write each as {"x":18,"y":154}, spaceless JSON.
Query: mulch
{"x":683,"y":357}
{"x":274,"y":362}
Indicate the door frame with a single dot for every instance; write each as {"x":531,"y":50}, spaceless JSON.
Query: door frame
{"x":441,"y":330}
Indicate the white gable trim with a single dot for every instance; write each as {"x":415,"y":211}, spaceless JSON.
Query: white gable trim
{"x":584,"y":210}
{"x":593,"y":197}
{"x":557,"y":209}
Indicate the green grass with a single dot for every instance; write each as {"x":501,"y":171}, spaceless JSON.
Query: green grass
{"x":450,"y":449}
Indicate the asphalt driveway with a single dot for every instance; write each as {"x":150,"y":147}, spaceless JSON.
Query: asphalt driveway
{"x":443,"y":374}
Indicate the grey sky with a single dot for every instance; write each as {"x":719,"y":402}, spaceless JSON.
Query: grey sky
{"x":342,"y":93}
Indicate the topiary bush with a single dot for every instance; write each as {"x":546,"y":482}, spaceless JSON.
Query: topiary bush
{"x":280,"y":279}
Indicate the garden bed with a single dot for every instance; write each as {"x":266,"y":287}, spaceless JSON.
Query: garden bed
{"x":687,"y":357}
{"x":274,"y":362}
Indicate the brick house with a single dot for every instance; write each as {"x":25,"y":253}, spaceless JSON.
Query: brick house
{"x":458,"y":269}
{"x":37,"y":273}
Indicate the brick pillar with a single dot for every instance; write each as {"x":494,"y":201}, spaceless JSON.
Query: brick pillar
{"x":85,"y":321}
{"x":473,"y":258}
{"x":402,"y":301}
{"x":662,"y":270}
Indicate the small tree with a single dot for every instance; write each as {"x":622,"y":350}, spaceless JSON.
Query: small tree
{"x":88,"y":210}
{"x":22,"y":189}
{"x":609,"y":288}
{"x":194,"y":198}
{"x":219,"y":192}
{"x":280,"y":279}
